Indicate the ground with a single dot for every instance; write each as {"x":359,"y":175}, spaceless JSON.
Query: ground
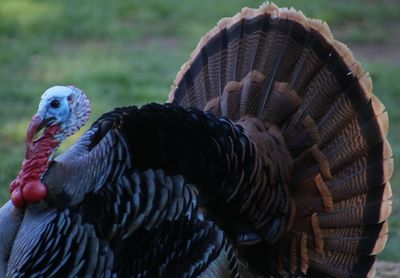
{"x":387,"y":269}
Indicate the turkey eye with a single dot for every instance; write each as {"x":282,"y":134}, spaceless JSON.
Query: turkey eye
{"x":55,"y":103}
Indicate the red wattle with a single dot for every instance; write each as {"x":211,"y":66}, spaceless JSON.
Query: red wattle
{"x":14,"y":184}
{"x":34,"y":191}
{"x":27,"y":186}
{"x":17,"y":199}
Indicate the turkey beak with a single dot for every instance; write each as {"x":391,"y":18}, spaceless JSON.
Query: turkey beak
{"x":36,"y":125}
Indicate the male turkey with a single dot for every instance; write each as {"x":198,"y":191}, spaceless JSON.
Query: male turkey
{"x":271,"y":158}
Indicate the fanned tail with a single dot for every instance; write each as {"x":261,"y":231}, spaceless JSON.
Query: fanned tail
{"x":287,"y":70}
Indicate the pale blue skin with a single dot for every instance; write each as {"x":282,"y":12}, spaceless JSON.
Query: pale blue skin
{"x":61,"y":113}
{"x":72,"y":113}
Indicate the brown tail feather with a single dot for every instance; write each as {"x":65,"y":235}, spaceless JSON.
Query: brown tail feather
{"x":356,"y":239}
{"x":289,"y":71}
{"x":340,"y":265}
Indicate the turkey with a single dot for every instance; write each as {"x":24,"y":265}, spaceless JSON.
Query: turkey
{"x":269,"y":159}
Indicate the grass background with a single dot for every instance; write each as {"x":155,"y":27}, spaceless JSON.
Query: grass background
{"x":128,"y":52}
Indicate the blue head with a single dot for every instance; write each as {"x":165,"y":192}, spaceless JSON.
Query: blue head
{"x":66,"y":106}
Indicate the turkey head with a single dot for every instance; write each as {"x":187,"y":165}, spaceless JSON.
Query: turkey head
{"x":62,"y":111}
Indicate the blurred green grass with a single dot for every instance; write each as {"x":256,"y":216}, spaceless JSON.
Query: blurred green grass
{"x":128,"y":52}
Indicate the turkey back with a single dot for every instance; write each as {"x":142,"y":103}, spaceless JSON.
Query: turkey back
{"x":288,"y":71}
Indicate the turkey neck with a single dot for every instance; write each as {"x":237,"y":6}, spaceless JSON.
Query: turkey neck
{"x":76,"y":172}
{"x":35,"y":164}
